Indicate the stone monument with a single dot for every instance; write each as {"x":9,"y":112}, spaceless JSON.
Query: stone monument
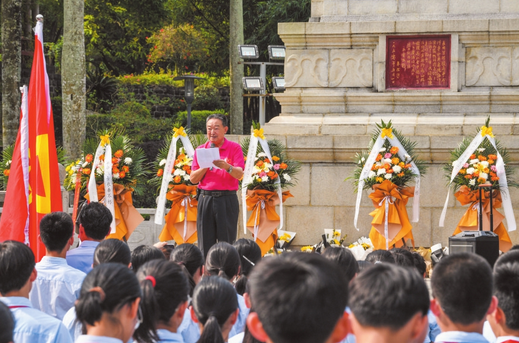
{"x":436,"y":68}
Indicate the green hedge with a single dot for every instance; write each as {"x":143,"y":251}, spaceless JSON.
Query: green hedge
{"x":197,"y":119}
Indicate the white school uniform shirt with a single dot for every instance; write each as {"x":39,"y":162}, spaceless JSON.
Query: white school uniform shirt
{"x":97,"y":339}
{"x":168,"y":336}
{"x":460,"y":337}
{"x":488,"y":333}
{"x":74,"y":326}
{"x":503,"y":339}
{"x":237,"y":338}
{"x":32,"y":325}
{"x":57,"y":286}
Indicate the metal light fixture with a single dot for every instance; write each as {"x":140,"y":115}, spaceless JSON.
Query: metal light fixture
{"x":279,"y":83}
{"x":276,"y":52}
{"x":248,"y":51}
{"x":253,"y":83}
{"x":189,"y":93}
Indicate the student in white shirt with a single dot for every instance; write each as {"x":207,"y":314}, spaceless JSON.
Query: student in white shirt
{"x":108,"y":305}
{"x":164,"y":300}
{"x":215,"y":309}
{"x":462,"y":297}
{"x":17,"y":274}
{"x":505,"y":319}
{"x":57,"y":286}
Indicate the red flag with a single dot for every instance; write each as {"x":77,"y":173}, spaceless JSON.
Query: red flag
{"x":14,"y":223}
{"x":44,"y":188}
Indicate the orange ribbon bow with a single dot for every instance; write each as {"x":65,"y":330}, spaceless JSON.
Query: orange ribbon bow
{"x":181,"y":197}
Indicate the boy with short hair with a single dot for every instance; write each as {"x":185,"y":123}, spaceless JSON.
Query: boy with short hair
{"x":505,"y":319}
{"x":298,"y":298}
{"x":57,"y":286}
{"x":389,"y":303}
{"x":94,"y":225}
{"x":462,"y":291}
{"x":17,"y":274}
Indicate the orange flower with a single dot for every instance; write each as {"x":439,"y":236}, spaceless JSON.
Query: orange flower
{"x":473,"y":156}
{"x":481,"y":180}
{"x":119,"y":154}
{"x":395,"y":160}
{"x":491,"y":161}
{"x":102,"y":157}
{"x":400,"y":174}
{"x":122,"y":174}
{"x":114,"y":160}
{"x":379,"y":157}
{"x":389,"y":171}
{"x":486,"y":170}
{"x":468,"y":176}
{"x":476,"y":174}
{"x":408,"y":166}
{"x":181,"y":157}
{"x":492,"y":157}
{"x":387,"y":166}
{"x":283,"y":166}
{"x":245,"y":158}
{"x":86,"y":171}
{"x":267,"y":160}
{"x":259,"y":163}
{"x":482,"y":158}
{"x":394,"y":150}
{"x":379,"y":179}
{"x":6,"y":172}
{"x":160,"y":172}
{"x":462,"y":171}
{"x":115,"y":170}
{"x":177,"y":179}
{"x":495,"y":178}
{"x":186,"y":168}
{"x":374,"y":167}
{"x":401,"y":164}
{"x":126,"y":169}
{"x":272,"y":175}
{"x":275,"y":158}
{"x":492,"y":174}
{"x":89,"y":158}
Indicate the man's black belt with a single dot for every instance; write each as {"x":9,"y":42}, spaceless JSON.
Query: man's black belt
{"x":217,"y":194}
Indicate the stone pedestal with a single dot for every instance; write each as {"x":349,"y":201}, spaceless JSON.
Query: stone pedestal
{"x":335,"y":72}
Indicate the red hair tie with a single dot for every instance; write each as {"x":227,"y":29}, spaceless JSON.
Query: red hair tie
{"x":152,"y":279}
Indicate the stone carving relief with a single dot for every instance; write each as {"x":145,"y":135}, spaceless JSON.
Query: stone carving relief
{"x":351,"y":68}
{"x":492,"y":66}
{"x":335,"y":68}
{"x":306,"y":68}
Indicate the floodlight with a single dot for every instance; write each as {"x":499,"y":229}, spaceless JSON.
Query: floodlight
{"x":276,"y":52}
{"x":253,"y":84}
{"x":248,"y":51}
{"x":279,"y":83}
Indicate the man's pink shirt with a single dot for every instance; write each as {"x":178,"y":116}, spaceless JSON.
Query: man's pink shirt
{"x":219,"y":179}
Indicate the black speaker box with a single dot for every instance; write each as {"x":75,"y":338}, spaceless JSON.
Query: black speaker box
{"x":483,"y":243}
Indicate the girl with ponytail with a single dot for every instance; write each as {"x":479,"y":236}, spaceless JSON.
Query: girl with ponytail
{"x":190,"y":259}
{"x":215,"y":308}
{"x":164,"y":300}
{"x":250,"y":254}
{"x":108,"y":304}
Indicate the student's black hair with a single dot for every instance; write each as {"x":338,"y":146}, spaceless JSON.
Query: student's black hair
{"x":56,"y":228}
{"x":112,"y":250}
{"x":96,"y":219}
{"x":506,"y":287}
{"x":344,"y":259}
{"x":388,"y":296}
{"x":16,"y":265}
{"x":250,"y":254}
{"x":419,"y":263}
{"x":219,"y":116}
{"x":144,"y":253}
{"x":214,"y":300}
{"x":462,"y":284}
{"x":190,"y":259}
{"x":514,"y":247}
{"x":403,"y":257}
{"x":107,"y":288}
{"x":363,"y":265}
{"x":222,"y":260}
{"x":299,"y":297}
{"x":162,"y":292}
{"x":6,"y":324}
{"x":380,"y":256}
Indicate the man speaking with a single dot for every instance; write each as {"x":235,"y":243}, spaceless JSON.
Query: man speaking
{"x":218,"y":207}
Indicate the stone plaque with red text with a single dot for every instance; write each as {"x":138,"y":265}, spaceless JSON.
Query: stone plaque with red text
{"x":418,"y":62}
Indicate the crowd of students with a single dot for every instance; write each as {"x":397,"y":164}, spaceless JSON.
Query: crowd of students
{"x":101,"y":292}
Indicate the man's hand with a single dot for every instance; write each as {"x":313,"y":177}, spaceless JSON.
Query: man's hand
{"x":221,"y":164}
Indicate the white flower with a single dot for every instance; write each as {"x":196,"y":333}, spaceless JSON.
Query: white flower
{"x":470,"y":171}
{"x":397,"y":169}
{"x":483,"y":176}
{"x":454,"y":163}
{"x":182,"y":173}
{"x":484,"y":163}
{"x":407,"y":156}
{"x":363,"y":159}
{"x":161,"y":163}
{"x":481,"y":149}
{"x":381,"y":171}
{"x":8,"y":162}
{"x":474,"y":161}
{"x":85,"y":164}
{"x":264,"y":178}
{"x":472,"y":182}
{"x":267,"y":166}
{"x":177,"y":172}
{"x":257,"y":169}
{"x":287,"y":177}
{"x":116,"y":176}
{"x":383,"y":149}
{"x":186,"y":177}
{"x":387,"y":160}
{"x":128,"y":160}
{"x":372,"y":174}
{"x":388,"y":176}
{"x":262,"y":154}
